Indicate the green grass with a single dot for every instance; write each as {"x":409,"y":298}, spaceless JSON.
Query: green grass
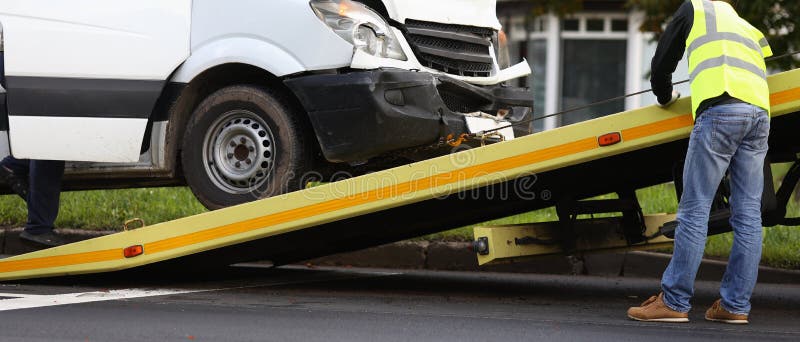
{"x":108,"y":209}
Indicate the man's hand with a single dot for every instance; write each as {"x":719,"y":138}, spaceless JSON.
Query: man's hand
{"x":675,"y":96}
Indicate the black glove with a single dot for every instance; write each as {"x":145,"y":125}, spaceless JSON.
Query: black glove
{"x":675,"y":96}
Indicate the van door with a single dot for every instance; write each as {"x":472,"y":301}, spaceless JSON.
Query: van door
{"x":82,"y":76}
{"x":4,"y":151}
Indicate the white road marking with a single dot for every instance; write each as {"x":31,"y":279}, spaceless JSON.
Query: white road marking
{"x":37,"y":301}
{"x":19,"y":301}
{"x":18,"y":295}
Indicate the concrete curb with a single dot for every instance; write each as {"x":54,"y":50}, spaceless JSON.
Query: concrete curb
{"x":458,"y":256}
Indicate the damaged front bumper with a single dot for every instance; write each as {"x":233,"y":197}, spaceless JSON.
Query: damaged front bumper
{"x":359,"y":115}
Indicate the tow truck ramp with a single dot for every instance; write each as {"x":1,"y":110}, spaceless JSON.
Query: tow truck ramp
{"x":562,"y":167}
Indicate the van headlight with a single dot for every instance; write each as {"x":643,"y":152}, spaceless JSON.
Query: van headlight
{"x":360,"y":26}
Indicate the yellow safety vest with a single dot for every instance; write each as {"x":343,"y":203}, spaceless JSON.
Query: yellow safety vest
{"x":726,"y":54}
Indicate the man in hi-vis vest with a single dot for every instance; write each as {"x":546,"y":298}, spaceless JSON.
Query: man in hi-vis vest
{"x":730,"y":101}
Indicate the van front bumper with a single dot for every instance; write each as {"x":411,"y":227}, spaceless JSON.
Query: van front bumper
{"x":363,"y":114}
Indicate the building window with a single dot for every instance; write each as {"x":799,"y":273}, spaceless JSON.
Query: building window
{"x":593,"y":64}
{"x":535,"y":48}
{"x":537,"y":57}
{"x":576,"y":61}
{"x":590,"y":77}
{"x":595,"y":25}
{"x":537,"y":25}
{"x":571,"y":25}
{"x":619,"y":25}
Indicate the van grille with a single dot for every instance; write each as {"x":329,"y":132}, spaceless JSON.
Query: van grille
{"x":453,"y":49}
{"x":459,"y":103}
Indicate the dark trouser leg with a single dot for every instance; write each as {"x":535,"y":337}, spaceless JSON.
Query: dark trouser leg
{"x":44,"y":194}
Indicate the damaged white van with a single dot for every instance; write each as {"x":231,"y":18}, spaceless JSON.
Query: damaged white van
{"x":243,"y":99}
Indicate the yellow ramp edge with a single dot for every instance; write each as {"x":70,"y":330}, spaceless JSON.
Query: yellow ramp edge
{"x":391,"y":188}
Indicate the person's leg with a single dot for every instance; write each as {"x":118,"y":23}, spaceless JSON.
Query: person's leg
{"x":45,"y":192}
{"x":747,"y":173}
{"x":706,"y":163}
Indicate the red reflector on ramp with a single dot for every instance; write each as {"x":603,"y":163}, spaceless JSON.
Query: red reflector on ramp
{"x":609,"y":139}
{"x":133,"y":251}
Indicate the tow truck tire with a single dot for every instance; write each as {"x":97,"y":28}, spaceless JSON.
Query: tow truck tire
{"x":244,"y":143}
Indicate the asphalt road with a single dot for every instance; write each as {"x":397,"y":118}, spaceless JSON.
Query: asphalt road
{"x":300,"y":304}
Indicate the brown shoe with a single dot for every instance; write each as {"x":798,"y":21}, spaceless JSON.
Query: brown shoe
{"x":717,"y":313}
{"x":654,"y":310}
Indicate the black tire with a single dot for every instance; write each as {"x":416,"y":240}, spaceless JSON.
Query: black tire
{"x":272,"y":153}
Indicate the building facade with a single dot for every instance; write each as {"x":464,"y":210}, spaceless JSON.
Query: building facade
{"x":585,"y":57}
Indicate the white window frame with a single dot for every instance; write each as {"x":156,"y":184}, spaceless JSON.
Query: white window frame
{"x":554,"y":35}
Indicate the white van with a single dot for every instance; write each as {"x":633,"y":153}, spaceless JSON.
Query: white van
{"x":244,"y":99}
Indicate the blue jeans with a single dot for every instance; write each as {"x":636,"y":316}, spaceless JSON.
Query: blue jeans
{"x":729,"y":137}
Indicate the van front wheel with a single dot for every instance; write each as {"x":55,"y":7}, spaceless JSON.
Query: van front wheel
{"x":243,"y":143}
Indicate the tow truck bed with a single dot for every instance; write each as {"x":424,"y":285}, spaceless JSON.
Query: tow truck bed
{"x":476,"y":185}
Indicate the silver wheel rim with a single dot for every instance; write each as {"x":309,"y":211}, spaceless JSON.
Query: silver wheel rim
{"x":238,"y":152}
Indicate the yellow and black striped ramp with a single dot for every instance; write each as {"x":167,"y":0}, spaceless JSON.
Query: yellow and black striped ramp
{"x":467,"y":187}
